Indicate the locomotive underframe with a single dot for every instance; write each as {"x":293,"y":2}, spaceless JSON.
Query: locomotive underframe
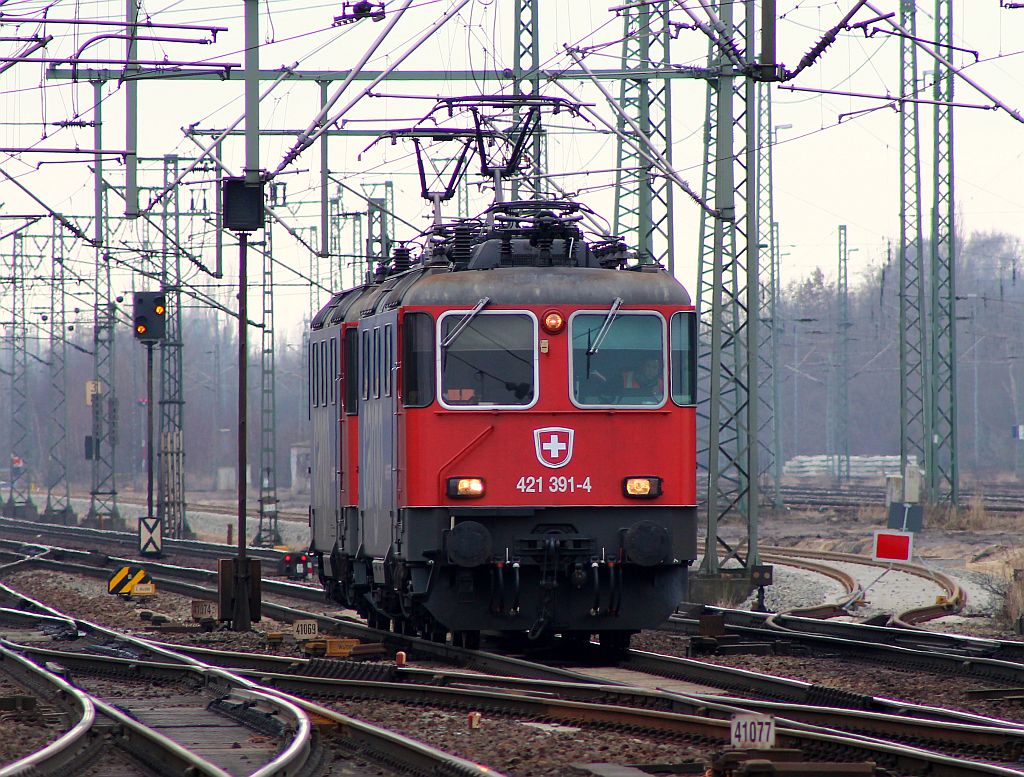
{"x":537,"y":573}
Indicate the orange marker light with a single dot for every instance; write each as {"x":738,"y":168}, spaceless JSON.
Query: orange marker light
{"x":553,"y":322}
{"x":160,"y":310}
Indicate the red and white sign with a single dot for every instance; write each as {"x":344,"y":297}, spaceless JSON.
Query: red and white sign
{"x":891,"y":545}
{"x":553,"y":445}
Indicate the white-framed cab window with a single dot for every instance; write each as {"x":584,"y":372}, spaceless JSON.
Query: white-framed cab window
{"x":617,"y":359}
{"x":487,"y":359}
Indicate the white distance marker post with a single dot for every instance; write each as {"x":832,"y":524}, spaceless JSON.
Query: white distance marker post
{"x":749,"y":731}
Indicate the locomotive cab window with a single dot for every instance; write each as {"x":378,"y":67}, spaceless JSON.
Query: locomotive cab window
{"x":684,"y":358}
{"x":487,"y":360}
{"x":618,"y":359}
{"x":417,"y":360}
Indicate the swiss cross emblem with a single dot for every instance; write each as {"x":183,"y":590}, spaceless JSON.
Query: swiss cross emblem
{"x":554,"y":445}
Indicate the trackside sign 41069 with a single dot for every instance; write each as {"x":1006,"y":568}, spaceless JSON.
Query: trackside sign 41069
{"x":891,"y":545}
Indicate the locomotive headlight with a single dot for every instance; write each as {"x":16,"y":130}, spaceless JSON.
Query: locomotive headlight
{"x":642,"y":487}
{"x":553,"y":322}
{"x":466,"y":488}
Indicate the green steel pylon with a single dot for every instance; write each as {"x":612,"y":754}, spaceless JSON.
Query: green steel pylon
{"x":526,"y":81}
{"x":943,"y":477}
{"x":23,"y":457}
{"x":769,"y":434}
{"x":103,"y":510}
{"x":268,"y":533}
{"x":839,"y":407}
{"x":58,"y":491}
{"x":643,"y":202}
{"x":914,"y":426}
{"x":729,"y":289}
{"x":171,"y":443}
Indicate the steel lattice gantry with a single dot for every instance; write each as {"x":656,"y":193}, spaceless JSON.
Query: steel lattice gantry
{"x":728,"y":291}
{"x":171,"y":482}
{"x":770,"y":433}
{"x":22,"y":453}
{"x":839,"y":408}
{"x":103,"y":510}
{"x":914,"y":421}
{"x":942,"y":475}
{"x":643,"y":202}
{"x":526,"y":81}
{"x":268,"y":533}
{"x":380,"y":225}
{"x":58,"y":491}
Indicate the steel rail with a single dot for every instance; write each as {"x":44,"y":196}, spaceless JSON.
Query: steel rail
{"x":827,"y":609}
{"x":954,"y":601}
{"x":625,"y":706}
{"x":59,"y":754}
{"x":407,"y":751}
{"x":901,"y":754}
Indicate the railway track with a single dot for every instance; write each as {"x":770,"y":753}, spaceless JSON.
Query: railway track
{"x":610,"y":706}
{"x":202,"y":732}
{"x":951,"y":601}
{"x":815,"y":730}
{"x":999,"y":500}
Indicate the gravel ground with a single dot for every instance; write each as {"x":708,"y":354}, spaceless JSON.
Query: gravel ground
{"x":23,"y":732}
{"x":87,"y":598}
{"x":795,"y":587}
{"x":850,"y":674}
{"x":525,"y":748}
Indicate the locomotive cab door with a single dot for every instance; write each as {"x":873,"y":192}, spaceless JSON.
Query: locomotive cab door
{"x":378,"y":429}
{"x":324,"y":413}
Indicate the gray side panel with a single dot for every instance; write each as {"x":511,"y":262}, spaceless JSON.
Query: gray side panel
{"x":377,"y":434}
{"x":325,"y":443}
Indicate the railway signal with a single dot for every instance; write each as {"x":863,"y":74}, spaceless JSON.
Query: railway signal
{"x":149,"y":316}
{"x":149,"y":322}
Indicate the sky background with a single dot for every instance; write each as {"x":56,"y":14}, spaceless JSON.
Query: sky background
{"x":828,"y":170}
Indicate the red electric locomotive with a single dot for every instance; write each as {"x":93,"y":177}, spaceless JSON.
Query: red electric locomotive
{"x":504,"y":435}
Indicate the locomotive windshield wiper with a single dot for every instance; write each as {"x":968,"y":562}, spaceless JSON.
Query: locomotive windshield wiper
{"x":607,"y":325}
{"x":466,"y":319}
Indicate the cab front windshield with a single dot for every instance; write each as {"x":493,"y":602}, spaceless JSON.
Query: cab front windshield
{"x":627,"y":368}
{"x":490,"y":361}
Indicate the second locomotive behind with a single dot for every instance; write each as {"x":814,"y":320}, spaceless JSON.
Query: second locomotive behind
{"x":504,"y":435}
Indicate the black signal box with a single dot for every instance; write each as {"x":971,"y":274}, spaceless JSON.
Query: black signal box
{"x":242,"y":205}
{"x":149,"y":316}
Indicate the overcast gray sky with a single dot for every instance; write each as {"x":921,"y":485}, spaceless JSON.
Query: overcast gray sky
{"x":827,"y":171}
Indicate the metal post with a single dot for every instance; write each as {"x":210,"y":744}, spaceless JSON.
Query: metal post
{"x":149,"y":429}
{"x":753,"y":308}
{"x":241,"y":619}
{"x":131,"y":114}
{"x":324,"y":189}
